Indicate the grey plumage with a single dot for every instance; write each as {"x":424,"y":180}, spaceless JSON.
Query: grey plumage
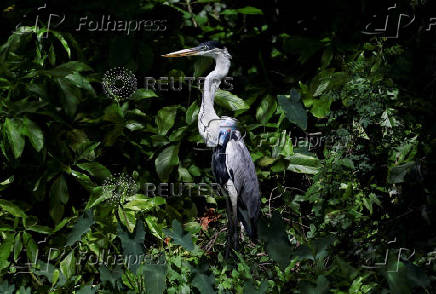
{"x":242,"y":172}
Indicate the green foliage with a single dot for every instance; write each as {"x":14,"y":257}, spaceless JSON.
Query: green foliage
{"x":77,"y":214}
{"x":293,"y":108}
{"x":176,"y":233}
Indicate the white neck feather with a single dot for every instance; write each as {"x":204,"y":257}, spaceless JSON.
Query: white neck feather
{"x":211,"y":83}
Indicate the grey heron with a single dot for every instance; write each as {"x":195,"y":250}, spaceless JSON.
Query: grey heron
{"x":232,"y":165}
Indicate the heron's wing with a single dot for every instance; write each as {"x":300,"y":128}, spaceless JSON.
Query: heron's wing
{"x":242,"y":172}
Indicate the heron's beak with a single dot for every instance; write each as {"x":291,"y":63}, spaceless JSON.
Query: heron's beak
{"x":184,"y":52}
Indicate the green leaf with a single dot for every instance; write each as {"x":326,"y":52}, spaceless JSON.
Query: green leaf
{"x":201,"y":64}
{"x":229,"y":101}
{"x":133,"y":245}
{"x":127,"y":218}
{"x":18,"y":246}
{"x":70,"y":99}
{"x":154,"y":227}
{"x":321,"y":107}
{"x":114,"y":276}
{"x":177,"y":134}
{"x":51,"y":273}
{"x":397,"y":277}
{"x":250,"y":288}
{"x":154,"y":278}
{"x":5,"y":183}
{"x":58,"y":198}
{"x":250,"y":10}
{"x":67,"y":68}
{"x":83,"y":180}
{"x":40,"y":229}
{"x":6,"y":248}
{"x":204,"y":283}
{"x":184,"y":175}
{"x":396,"y":174}
{"x":322,"y":286}
{"x":267,"y":107}
{"x":82,"y":226}
{"x":97,"y":196}
{"x":68,"y":265}
{"x":52,"y":56}
{"x":14,"y":132}
{"x":79,"y":81}
{"x":95,"y":169}
{"x":31,"y":247}
{"x":165,"y":119}
{"x":265,"y":161}
{"x":304,"y":163}
{"x":144,"y":204}
{"x":142,"y":93}
{"x":176,"y":233}
{"x":322,"y":86}
{"x":38,"y":90}
{"x":294,"y":109}
{"x":276,"y":241}
{"x":192,"y":113}
{"x":62,"y":224}
{"x":166,"y":161}
{"x":23,"y":290}
{"x":12,"y":208}
{"x":347,"y":162}
{"x":5,"y":288}
{"x":87,"y":289}
{"x":360,"y":130}
{"x":63,"y":42}
{"x":245,"y":10}
{"x":34,"y":133}
{"x":134,"y":126}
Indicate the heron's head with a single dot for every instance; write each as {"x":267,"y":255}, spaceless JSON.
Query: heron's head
{"x":210,"y":48}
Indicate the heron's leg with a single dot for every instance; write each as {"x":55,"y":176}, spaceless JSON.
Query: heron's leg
{"x":233,"y":195}
{"x":229,"y":227}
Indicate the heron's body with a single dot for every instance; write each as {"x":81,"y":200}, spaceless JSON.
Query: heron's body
{"x":232,"y":165}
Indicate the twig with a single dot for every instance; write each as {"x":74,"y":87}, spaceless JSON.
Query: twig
{"x":286,"y":188}
{"x":188,"y":2}
{"x":212,"y":240}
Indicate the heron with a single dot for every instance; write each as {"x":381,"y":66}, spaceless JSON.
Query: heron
{"x":232,"y":165}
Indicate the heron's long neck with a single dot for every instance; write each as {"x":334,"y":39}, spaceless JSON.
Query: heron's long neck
{"x":211,"y":84}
